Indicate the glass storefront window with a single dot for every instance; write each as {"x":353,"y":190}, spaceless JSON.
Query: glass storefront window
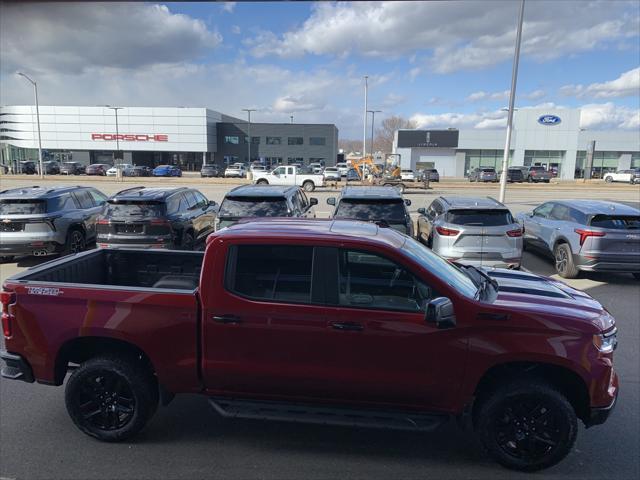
{"x":635,"y":160}
{"x":550,"y":159}
{"x":233,"y":139}
{"x":484,"y":158}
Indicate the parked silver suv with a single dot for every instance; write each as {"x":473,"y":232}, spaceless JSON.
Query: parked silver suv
{"x":46,"y":220}
{"x":590,"y":235}
{"x":471,"y":231}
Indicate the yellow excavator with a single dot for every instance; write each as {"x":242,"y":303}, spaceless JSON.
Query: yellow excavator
{"x":367,"y":164}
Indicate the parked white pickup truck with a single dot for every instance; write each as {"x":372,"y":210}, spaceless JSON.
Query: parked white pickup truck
{"x":288,"y":175}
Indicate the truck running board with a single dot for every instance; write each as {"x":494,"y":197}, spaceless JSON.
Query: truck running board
{"x":303,"y":413}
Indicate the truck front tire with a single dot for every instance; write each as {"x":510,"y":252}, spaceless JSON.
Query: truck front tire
{"x":527,"y":425}
{"x":111,"y":398}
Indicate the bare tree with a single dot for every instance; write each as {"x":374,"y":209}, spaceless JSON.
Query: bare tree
{"x":350,"y":145}
{"x":383,"y":140}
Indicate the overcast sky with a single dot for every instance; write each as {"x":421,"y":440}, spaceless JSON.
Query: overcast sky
{"x":444,"y":64}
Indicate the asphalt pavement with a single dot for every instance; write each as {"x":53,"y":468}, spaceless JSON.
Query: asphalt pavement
{"x":188,"y":440}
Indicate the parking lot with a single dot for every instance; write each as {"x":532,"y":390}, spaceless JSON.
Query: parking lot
{"x":188,"y":440}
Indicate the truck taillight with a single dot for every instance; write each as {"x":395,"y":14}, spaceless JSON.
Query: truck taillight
{"x":447,"y":232}
{"x":514,"y":233}
{"x":584,"y":234}
{"x":7,"y":298}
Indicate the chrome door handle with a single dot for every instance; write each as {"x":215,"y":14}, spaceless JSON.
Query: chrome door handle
{"x":227,"y":319}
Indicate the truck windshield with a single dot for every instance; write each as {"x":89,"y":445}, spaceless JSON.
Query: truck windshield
{"x":21,"y":207}
{"x":254,"y":207}
{"x":392,"y":211}
{"x":439,"y":267}
{"x":135,"y":209}
{"x":484,"y":217}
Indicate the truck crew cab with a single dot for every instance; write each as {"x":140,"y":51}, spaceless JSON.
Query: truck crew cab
{"x":320,"y":321}
{"x":290,"y":175}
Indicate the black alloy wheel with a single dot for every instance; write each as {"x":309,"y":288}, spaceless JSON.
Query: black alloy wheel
{"x":76,"y":242}
{"x":527,"y":426}
{"x":563,"y":258}
{"x":105,"y":401}
{"x":112,"y":398}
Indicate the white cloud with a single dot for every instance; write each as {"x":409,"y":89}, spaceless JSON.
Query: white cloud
{"x":626,"y":85}
{"x":503,"y":95}
{"x":73,"y":38}
{"x":596,"y":116}
{"x":461,"y":35}
{"x":228,"y":6}
{"x":481,"y":95}
{"x":235,"y":29}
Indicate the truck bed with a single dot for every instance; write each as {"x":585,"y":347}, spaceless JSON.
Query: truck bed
{"x":175,"y":270}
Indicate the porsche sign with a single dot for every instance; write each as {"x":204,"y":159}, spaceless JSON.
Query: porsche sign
{"x":127,"y":137}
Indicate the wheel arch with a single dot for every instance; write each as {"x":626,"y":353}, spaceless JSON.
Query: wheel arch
{"x":81,"y":349}
{"x":564,"y":379}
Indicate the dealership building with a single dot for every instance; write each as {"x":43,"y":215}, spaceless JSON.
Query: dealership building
{"x":187,"y":137}
{"x":552,"y":138}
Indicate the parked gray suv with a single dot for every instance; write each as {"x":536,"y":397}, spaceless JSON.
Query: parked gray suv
{"x":46,"y":220}
{"x":471,"y":231}
{"x":590,"y":235}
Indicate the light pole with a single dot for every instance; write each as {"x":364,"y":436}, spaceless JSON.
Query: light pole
{"x":373,"y":119}
{"x":364,"y":131}
{"x":512,"y":96}
{"x":35,"y":89}
{"x":118,"y":172}
{"x":249,"y":110}
{"x":291,"y":117}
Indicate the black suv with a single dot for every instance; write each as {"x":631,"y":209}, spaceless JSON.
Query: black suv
{"x":210,"y":171}
{"x":251,"y":201}
{"x":381,"y":205}
{"x":140,"y":217}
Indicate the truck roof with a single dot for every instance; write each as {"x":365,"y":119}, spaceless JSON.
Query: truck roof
{"x":370,"y":193}
{"x":261,"y":191}
{"x":321,"y":229}
{"x":144,"y":193}
{"x":37,"y":192}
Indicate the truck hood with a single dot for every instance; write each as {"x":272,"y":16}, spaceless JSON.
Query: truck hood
{"x":518,"y":290}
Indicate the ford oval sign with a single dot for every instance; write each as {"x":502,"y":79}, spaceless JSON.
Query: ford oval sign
{"x":549,"y":120}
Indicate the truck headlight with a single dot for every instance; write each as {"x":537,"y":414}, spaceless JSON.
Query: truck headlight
{"x":606,"y":342}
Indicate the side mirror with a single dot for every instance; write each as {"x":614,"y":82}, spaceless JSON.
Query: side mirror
{"x":313,"y":201}
{"x":440,"y":311}
{"x":212,"y":203}
{"x":407,"y":202}
{"x":331,"y":201}
{"x":422,"y":211}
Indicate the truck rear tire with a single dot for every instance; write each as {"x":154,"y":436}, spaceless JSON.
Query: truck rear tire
{"x":527,"y":425}
{"x":111,"y":398}
{"x":308,"y":186}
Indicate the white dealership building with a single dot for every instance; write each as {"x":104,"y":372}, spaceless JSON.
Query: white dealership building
{"x":552,"y":138}
{"x":187,"y":137}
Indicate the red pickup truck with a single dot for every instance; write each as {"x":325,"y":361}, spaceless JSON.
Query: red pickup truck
{"x":334,"y":322}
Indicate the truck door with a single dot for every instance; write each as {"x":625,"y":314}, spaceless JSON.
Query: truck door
{"x":350,"y":331}
{"x":266,"y":326}
{"x":290,"y":176}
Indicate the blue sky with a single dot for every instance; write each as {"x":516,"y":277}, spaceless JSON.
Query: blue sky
{"x":442,"y":64}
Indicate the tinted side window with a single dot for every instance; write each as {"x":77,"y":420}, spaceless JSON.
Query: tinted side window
{"x":83,"y":199}
{"x":98,"y":197}
{"x":559,"y":212}
{"x":191,"y":199}
{"x":201,"y":199}
{"x":543,"y":210}
{"x":63,"y":202}
{"x":271,"y":272}
{"x":176,"y":204}
{"x":368,"y":280}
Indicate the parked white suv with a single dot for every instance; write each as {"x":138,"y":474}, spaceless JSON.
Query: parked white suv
{"x":113,"y":171}
{"x":408,"y":175}
{"x":237,"y":170}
